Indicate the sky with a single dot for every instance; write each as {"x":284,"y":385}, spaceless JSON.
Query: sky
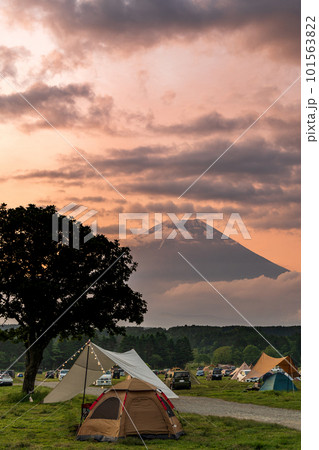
{"x":151,"y":93}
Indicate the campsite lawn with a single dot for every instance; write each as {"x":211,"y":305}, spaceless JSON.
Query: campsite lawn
{"x":49,"y":426}
{"x":234,"y":391}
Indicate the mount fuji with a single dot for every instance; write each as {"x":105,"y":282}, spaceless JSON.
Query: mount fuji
{"x":217,"y":259}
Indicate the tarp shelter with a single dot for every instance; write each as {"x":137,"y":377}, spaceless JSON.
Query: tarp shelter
{"x":278,"y":382}
{"x":96,"y":359}
{"x":131,"y":408}
{"x":237,"y":371}
{"x":265,"y":363}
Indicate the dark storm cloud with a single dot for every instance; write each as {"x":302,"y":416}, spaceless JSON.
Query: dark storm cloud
{"x":127,"y":25}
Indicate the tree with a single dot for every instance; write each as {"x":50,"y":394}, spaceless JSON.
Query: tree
{"x":41,"y":278}
{"x":155,"y":361}
{"x":251,"y":353}
{"x":222,"y":355}
{"x":183,"y":352}
{"x":202,"y":358}
{"x":270,"y":351}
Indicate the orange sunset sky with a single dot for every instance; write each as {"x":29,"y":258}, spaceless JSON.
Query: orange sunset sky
{"x":151,"y":93}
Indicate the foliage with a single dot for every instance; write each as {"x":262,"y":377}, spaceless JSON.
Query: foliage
{"x":158,"y":350}
{"x":251,"y":353}
{"x":222,"y":355}
{"x":58,"y":351}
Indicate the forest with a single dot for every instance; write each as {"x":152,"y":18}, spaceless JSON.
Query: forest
{"x":176,"y":346}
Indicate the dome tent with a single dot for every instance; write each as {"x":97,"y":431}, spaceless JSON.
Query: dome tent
{"x":132,"y":407}
{"x":278,"y":382}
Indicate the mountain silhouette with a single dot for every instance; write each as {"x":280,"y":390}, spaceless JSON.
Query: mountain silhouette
{"x":217,"y":259}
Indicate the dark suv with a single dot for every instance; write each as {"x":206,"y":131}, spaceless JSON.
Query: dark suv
{"x":215,"y":374}
{"x":178,"y":379}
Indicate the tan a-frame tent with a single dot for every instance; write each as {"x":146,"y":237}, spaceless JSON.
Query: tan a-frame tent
{"x":265,"y":363}
{"x":131,"y":408}
{"x":91,"y":363}
{"x":237,"y":371}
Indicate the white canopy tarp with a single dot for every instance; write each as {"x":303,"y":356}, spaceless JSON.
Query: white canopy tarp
{"x":97,"y":359}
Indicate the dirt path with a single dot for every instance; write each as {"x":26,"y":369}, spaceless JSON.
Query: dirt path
{"x":215,"y":407}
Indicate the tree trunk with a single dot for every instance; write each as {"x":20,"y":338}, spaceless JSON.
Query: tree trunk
{"x":33,"y":360}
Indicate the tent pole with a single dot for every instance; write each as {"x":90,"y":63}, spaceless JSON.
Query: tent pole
{"x":85,"y":378}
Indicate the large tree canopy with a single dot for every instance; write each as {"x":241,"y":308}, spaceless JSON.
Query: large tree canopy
{"x":41,"y":278}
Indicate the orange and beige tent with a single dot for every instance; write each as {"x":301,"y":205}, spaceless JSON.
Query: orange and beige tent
{"x":131,"y":408}
{"x":265,"y":363}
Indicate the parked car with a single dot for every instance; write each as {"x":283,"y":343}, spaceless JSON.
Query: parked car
{"x":50,"y":374}
{"x":62,"y":373}
{"x":5,"y":380}
{"x":227,"y":372}
{"x":243,"y":374}
{"x":105,"y":379}
{"x":277,"y":370}
{"x":9,"y":372}
{"x":215,"y":374}
{"x":178,"y":379}
{"x":200,"y":373}
{"x":122,"y":373}
{"x":252,"y":380}
{"x":20,"y":375}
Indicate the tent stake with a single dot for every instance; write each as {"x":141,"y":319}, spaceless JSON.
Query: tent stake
{"x":84,"y":388}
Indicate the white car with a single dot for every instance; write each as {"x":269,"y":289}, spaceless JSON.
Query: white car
{"x":243,"y":374}
{"x":62,"y":373}
{"x":277,"y":370}
{"x":105,"y":379}
{"x":5,"y":380}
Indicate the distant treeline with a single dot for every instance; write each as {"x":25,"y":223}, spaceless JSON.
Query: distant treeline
{"x":176,"y":346}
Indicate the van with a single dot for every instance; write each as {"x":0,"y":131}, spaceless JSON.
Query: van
{"x":178,"y":379}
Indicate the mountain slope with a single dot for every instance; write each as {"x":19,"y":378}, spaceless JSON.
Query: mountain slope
{"x":217,"y":259}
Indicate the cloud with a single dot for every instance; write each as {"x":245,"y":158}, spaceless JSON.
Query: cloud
{"x":168,"y":97}
{"x":263,"y":301}
{"x":129,"y":25}
{"x":204,"y":125}
{"x":254,"y":175}
{"x":56,"y":103}
{"x":9,"y":57}
{"x":58,"y":61}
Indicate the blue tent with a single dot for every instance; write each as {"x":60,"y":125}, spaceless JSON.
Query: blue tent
{"x":278,"y":382}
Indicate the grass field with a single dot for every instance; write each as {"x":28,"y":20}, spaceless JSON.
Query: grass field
{"x":234,"y":391}
{"x":54,"y":426}
{"x":227,"y":389}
